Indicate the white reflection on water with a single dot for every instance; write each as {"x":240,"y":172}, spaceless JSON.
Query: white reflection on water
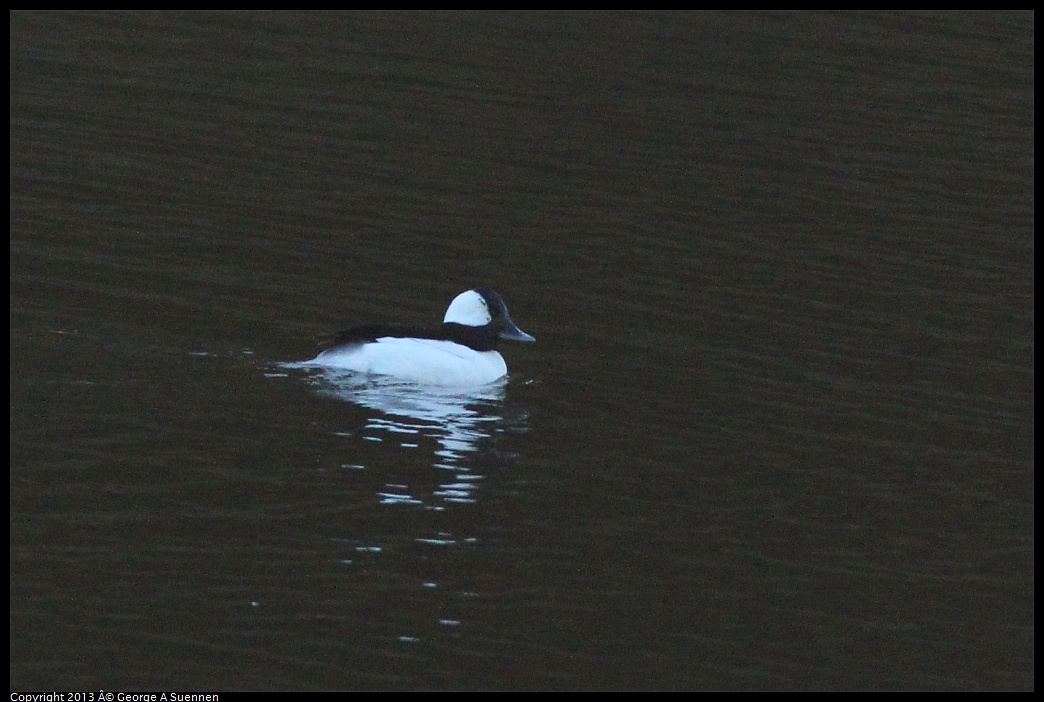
{"x":464,"y":424}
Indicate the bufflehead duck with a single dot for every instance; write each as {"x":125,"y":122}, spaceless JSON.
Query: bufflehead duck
{"x":460,"y":351}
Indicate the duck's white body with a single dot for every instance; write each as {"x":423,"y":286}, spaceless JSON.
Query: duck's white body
{"x":459,"y":352}
{"x":418,"y":360}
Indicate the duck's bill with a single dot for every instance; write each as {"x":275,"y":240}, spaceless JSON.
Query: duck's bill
{"x":514,"y":333}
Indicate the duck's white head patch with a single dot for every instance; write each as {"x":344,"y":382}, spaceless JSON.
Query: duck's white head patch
{"x":468,"y":308}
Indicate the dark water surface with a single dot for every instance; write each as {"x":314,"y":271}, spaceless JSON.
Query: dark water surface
{"x":776,"y":433}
